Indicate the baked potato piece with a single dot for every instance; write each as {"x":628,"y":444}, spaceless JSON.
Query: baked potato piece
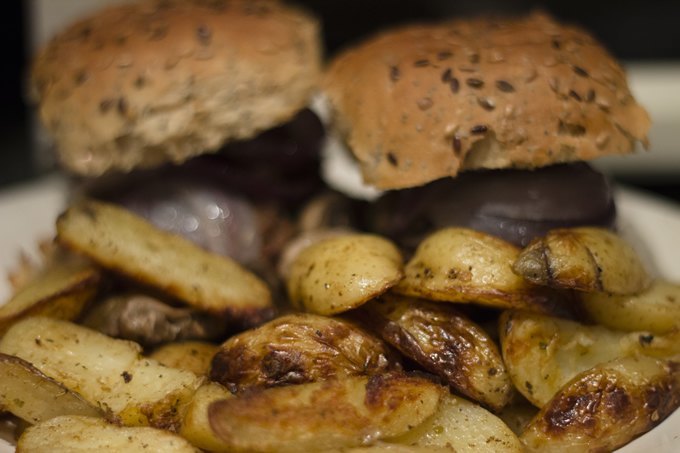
{"x":656,"y":310}
{"x":445,"y":343}
{"x":108,"y":373}
{"x":322,"y":416}
{"x":467,"y":266}
{"x":606,"y":407}
{"x":34,"y":397}
{"x":340,"y":273}
{"x":585,"y":259}
{"x":542,"y":353}
{"x":385,"y":447}
{"x":60,"y":290}
{"x":193,"y":356}
{"x":296,"y":349}
{"x":125,"y":243}
{"x":462,"y":426}
{"x":195,"y":423}
{"x":72,"y":434}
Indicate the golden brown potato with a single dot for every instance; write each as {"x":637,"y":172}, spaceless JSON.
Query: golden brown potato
{"x":195,"y":423}
{"x":656,"y":309}
{"x":296,"y":349}
{"x":125,"y":243}
{"x":445,"y":343}
{"x":585,"y":259}
{"x":73,"y":434}
{"x":464,"y":427}
{"x":108,"y":373}
{"x":326,"y":415}
{"x":384,"y":447}
{"x":542,"y":353}
{"x":341,"y":273}
{"x":467,"y":266}
{"x":34,"y":397}
{"x":193,"y":356}
{"x":606,"y":407}
{"x":61,"y":290}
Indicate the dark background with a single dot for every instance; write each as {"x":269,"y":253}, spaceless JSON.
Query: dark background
{"x":633,"y":30}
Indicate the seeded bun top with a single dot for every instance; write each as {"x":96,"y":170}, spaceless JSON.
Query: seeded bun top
{"x":427,"y":101}
{"x":138,"y":85}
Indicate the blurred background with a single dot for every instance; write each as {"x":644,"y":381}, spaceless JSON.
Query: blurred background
{"x":645,"y":35}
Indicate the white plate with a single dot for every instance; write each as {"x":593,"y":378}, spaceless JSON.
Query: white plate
{"x":28,"y":213}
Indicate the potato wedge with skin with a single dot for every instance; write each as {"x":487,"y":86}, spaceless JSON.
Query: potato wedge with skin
{"x":396,"y":448}
{"x":326,"y":415}
{"x":344,"y":272}
{"x":125,"y":243}
{"x":106,"y":372}
{"x":195,"y":423}
{"x":542,"y":353}
{"x":61,"y":290}
{"x":465,"y":427}
{"x":584,"y":259}
{"x":606,"y":407}
{"x":193,"y":356}
{"x":34,"y":397}
{"x":445,"y":343}
{"x":70,"y":434}
{"x":657,"y":309}
{"x":466,"y":266}
{"x":297,"y":349}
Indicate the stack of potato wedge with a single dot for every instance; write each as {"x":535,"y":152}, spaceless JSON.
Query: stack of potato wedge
{"x":471,"y":345}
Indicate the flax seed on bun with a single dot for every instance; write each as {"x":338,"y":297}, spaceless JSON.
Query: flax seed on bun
{"x":425,"y":102}
{"x":160,"y":81}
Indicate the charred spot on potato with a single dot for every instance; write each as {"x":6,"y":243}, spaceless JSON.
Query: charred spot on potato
{"x":127,"y":377}
{"x":282,"y":367}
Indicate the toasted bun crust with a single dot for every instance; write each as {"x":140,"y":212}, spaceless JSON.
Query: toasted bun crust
{"x":165,"y":80}
{"x":427,"y":101}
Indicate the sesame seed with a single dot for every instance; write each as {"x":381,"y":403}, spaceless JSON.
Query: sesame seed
{"x":575,"y":95}
{"x":394,"y":73}
{"x":392,"y":159}
{"x":424,"y":103}
{"x":590,"y":95}
{"x":454,"y":85}
{"x":580,"y":71}
{"x":447,"y":75}
{"x":504,"y":86}
{"x":486,"y":103}
{"x":473,"y":58}
{"x":474,"y":83}
{"x":479,"y":129}
{"x":421,"y":63}
{"x":457,"y":145}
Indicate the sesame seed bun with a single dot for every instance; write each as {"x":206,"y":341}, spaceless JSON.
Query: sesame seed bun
{"x":162,"y":81}
{"x":424,"y":102}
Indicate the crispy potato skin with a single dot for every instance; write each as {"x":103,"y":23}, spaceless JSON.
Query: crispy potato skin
{"x":297,"y":349}
{"x":326,"y":415}
{"x":465,"y":266}
{"x":445,"y":343}
{"x":584,"y":259}
{"x":606,"y":407}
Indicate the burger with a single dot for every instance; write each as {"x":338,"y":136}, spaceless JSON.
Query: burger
{"x":191,"y":113}
{"x":194,"y":115}
{"x":481,"y":123}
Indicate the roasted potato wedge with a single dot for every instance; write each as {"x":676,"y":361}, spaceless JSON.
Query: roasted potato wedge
{"x":71,"y":434}
{"x":606,"y":407}
{"x":297,"y":349}
{"x":585,"y":259}
{"x":340,"y":273}
{"x":464,"y":427}
{"x":657,"y":309}
{"x":108,"y":373}
{"x":60,"y":290}
{"x":326,"y":415}
{"x":193,"y":356}
{"x":125,"y":243}
{"x":466,"y":266}
{"x":34,"y":397}
{"x":385,"y":447}
{"x":542,"y":353}
{"x":195,"y":422}
{"x":445,"y":343}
